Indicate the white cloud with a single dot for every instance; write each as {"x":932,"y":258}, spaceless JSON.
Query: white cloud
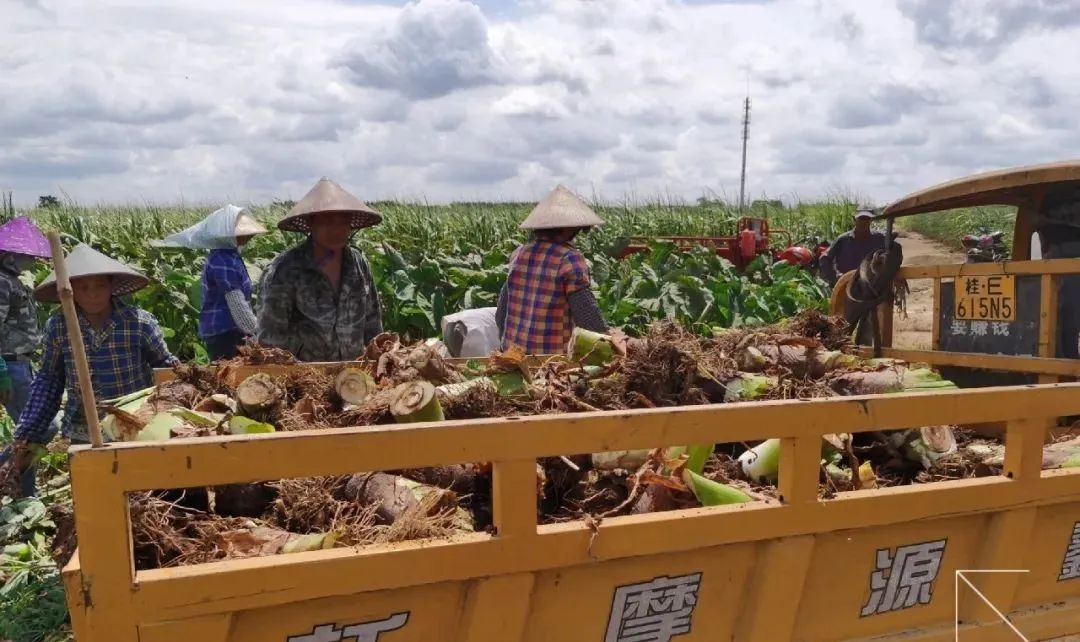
{"x":432,"y":49}
{"x":533,"y":102}
{"x":447,"y":99}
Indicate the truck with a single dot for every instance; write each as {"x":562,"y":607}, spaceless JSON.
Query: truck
{"x":989,"y":558}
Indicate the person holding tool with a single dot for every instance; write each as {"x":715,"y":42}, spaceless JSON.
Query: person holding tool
{"x":226,"y":318}
{"x":318,"y":300}
{"x":21,"y":244}
{"x":123,"y":344}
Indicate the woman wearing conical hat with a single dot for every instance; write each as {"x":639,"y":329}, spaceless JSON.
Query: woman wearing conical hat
{"x":123,"y":345}
{"x":318,"y":300}
{"x":226,"y":317}
{"x":21,"y":244}
{"x":547,"y":289}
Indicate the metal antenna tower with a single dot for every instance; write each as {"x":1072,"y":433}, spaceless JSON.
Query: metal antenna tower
{"x":745,"y":138}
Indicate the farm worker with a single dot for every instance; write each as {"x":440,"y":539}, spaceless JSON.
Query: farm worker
{"x":850,"y":248}
{"x":226,"y":317}
{"x":21,"y":243}
{"x":318,"y":300}
{"x":123,"y":345}
{"x":547,"y":293}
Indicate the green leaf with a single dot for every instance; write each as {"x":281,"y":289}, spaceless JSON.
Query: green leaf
{"x":245,"y":426}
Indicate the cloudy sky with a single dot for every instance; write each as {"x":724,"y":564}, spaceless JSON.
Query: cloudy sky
{"x":248,"y":100}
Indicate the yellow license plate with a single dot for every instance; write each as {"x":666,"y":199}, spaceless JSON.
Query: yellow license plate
{"x":985,"y":298}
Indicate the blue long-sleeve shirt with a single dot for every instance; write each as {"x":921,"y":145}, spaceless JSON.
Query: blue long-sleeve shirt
{"x":122,"y":356}
{"x":225,"y":271}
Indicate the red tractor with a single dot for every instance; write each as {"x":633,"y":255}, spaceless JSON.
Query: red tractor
{"x":752,"y":239}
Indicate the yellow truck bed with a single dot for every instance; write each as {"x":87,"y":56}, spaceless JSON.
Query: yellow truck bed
{"x":929,"y":562}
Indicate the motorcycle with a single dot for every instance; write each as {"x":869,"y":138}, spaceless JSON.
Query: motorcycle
{"x":985,"y":246}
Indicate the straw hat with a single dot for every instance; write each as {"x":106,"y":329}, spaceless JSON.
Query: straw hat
{"x":328,"y":197}
{"x":86,"y":261}
{"x":246,"y":225}
{"x":21,"y":236}
{"x":561,"y":208}
{"x":218,"y":230}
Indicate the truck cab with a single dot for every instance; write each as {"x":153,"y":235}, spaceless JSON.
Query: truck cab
{"x":1047,"y":226}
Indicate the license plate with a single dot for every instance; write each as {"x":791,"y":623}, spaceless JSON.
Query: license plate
{"x":985,"y":298}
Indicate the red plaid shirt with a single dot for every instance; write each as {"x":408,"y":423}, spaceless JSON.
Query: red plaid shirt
{"x":542,"y":275}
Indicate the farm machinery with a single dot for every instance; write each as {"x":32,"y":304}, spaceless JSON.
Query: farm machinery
{"x":753,"y":238}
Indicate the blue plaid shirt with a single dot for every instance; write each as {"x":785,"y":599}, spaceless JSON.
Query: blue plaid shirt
{"x":224,"y":271}
{"x":122,"y":357}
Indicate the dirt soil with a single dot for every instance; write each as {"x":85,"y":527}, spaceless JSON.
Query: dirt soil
{"x":914,"y":332}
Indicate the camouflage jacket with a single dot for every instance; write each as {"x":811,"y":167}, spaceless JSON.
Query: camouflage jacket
{"x":19,"y":329}
{"x":298,"y":309}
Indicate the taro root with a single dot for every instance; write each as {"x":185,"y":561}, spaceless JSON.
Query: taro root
{"x":353,"y":385}
{"x":258,"y":395}
{"x":431,"y":366}
{"x":415,"y":401}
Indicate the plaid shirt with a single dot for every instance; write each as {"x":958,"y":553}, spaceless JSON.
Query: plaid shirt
{"x":224,"y":271}
{"x":122,"y":356}
{"x":542,"y":275}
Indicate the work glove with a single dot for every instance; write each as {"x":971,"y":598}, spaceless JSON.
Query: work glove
{"x":19,"y":458}
{"x":6,"y":388}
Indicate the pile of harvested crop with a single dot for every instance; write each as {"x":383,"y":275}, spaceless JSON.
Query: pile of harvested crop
{"x":251,"y":353}
{"x":808,"y":356}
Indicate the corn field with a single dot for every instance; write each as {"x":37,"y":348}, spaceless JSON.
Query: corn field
{"x":432,"y":260}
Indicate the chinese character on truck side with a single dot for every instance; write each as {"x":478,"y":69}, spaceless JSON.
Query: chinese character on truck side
{"x":653,"y":611}
{"x":905,"y":579}
{"x":364,"y":632}
{"x":1070,"y":568}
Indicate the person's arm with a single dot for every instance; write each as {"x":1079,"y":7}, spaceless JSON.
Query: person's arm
{"x":240,"y":311}
{"x":230,"y":275}
{"x":276,"y":295}
{"x":155,"y":351}
{"x":584,"y":311}
{"x":500,"y":308}
{"x":373,"y":326}
{"x":46,"y":391}
{"x":828,"y":262}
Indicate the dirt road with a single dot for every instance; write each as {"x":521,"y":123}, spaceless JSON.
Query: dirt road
{"x":914,"y":332}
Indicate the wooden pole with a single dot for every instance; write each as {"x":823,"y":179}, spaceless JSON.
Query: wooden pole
{"x":78,"y":349}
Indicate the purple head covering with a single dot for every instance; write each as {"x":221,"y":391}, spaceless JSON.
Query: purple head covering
{"x":20,"y":235}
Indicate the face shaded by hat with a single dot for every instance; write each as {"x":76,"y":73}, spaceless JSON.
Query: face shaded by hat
{"x":327,"y":197}
{"x":561,"y":208}
{"x":21,"y":236}
{"x":84,"y":260}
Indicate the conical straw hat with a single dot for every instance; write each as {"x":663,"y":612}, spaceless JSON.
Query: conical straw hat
{"x":21,"y":236}
{"x":325,"y":198}
{"x":561,"y":208}
{"x":86,"y":261}
{"x":246,"y":225}
{"x":217,"y":231}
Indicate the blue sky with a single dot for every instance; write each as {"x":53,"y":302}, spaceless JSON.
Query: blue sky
{"x":249,"y":100}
